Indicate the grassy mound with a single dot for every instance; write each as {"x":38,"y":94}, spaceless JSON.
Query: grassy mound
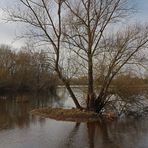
{"x":75,"y":115}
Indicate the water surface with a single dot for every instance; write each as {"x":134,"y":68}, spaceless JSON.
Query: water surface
{"x":19,"y":129}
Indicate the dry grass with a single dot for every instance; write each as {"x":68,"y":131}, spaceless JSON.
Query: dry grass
{"x":67,"y":114}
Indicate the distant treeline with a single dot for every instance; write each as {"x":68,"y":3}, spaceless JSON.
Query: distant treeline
{"x":126,"y":79}
{"x":25,"y":71}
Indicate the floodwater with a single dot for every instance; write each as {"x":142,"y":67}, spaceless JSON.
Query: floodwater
{"x":19,"y":129}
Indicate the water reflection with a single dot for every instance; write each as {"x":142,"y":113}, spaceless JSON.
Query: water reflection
{"x":98,"y":134}
{"x":70,"y":138}
{"x":118,"y":134}
{"x":14,"y":109}
{"x":19,"y":129}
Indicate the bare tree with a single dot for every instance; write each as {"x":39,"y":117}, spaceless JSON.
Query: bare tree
{"x":87,"y":34}
{"x":82,"y":28}
{"x":45,"y":19}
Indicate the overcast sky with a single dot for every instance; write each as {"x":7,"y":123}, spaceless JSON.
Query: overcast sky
{"x":8,"y":31}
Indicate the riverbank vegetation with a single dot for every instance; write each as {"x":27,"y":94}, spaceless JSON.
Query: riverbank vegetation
{"x":25,"y":71}
{"x":87,"y":39}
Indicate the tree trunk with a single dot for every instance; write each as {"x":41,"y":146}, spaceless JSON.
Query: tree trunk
{"x":91,"y":95}
{"x":67,"y":85}
{"x":73,"y":96}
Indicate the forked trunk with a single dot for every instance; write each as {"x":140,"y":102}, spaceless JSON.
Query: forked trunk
{"x":91,"y":101}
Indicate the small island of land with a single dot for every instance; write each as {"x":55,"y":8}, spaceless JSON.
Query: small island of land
{"x":66,"y":114}
{"x":72,"y":114}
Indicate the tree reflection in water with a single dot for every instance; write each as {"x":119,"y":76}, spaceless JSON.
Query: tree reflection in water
{"x":126,"y":133}
{"x":71,"y":136}
{"x":98,"y":135}
{"x":117,"y":134}
{"x":15,"y":112}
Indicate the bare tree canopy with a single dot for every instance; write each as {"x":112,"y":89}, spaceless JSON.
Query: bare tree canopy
{"x":81,"y":32}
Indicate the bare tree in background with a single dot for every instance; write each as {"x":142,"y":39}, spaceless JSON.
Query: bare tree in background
{"x":82,"y":29}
